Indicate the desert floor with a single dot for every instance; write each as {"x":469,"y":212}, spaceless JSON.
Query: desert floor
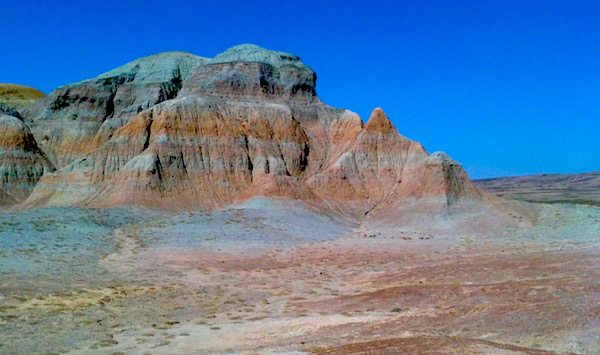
{"x":273,"y":277}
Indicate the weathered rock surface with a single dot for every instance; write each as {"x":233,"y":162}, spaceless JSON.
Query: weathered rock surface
{"x":8,"y":110}
{"x":76,"y":119}
{"x":371,"y":163}
{"x":21,"y":161}
{"x":253,"y":73}
{"x":245,"y":123}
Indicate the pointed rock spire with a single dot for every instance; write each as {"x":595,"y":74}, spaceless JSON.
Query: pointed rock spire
{"x":379,"y":122}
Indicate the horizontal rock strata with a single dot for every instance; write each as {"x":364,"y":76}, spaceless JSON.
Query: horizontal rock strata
{"x":180,"y":131}
{"x":22,"y":163}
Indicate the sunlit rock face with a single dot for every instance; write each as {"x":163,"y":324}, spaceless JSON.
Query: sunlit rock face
{"x":75,"y":119}
{"x":180,"y":131}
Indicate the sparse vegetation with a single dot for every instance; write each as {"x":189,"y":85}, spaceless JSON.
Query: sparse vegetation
{"x":19,"y":96}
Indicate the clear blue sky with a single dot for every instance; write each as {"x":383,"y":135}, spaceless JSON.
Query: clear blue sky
{"x":505,"y":87}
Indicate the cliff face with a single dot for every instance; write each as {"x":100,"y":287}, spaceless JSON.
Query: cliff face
{"x":180,"y":131}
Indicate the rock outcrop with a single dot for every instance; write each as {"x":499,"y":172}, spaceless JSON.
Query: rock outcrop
{"x":10,"y":111}
{"x":205,"y":133}
{"x":253,"y":73}
{"x":21,"y":161}
{"x":370,"y":164}
{"x":76,"y":119}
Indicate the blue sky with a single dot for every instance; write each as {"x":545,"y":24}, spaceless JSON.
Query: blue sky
{"x":504,"y":87}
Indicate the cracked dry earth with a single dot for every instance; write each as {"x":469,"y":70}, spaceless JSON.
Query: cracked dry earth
{"x":362,"y":292}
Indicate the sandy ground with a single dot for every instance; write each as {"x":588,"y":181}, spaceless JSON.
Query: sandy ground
{"x":534,"y":291}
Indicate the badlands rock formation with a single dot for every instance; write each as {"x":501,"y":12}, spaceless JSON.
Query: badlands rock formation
{"x":179,"y":131}
{"x":21,"y":161}
{"x":76,"y":119}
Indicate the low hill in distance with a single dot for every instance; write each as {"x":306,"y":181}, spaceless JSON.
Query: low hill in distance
{"x":19,"y":96}
{"x":549,"y":188}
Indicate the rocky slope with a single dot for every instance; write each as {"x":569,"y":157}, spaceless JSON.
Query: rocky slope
{"x":21,"y":161}
{"x":76,"y":119}
{"x":571,"y":188}
{"x":180,"y":131}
